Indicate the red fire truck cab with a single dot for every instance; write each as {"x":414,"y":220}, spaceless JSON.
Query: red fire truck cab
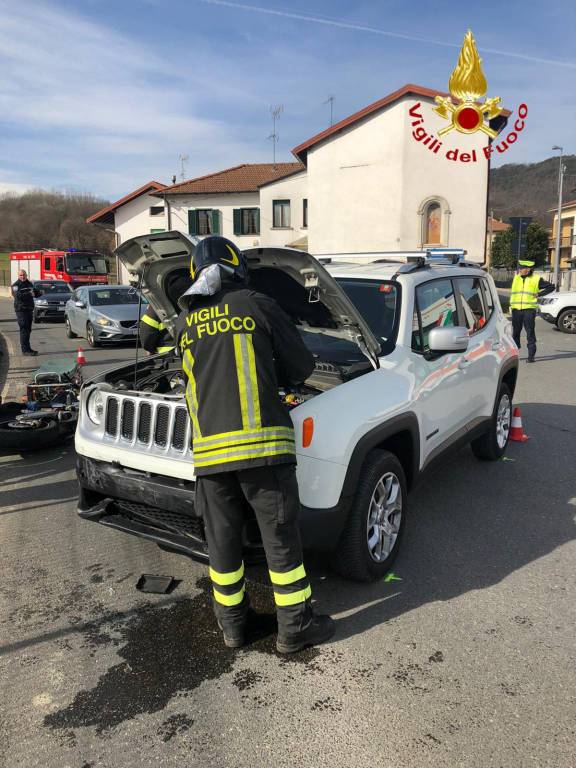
{"x":75,"y":267}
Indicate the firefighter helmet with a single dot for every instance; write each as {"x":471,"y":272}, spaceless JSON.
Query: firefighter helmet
{"x":218,"y":250}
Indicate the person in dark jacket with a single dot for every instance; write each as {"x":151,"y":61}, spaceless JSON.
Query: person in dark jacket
{"x":154,"y":335}
{"x":238,"y":346}
{"x":526,"y":288}
{"x":23,"y":293}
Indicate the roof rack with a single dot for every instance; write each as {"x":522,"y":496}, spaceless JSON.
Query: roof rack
{"x":435,"y":257}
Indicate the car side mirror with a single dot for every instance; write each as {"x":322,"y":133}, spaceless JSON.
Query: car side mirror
{"x":79,"y":304}
{"x":444,"y":340}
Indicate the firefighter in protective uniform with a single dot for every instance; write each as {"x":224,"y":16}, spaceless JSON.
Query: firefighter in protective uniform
{"x":154,"y":335}
{"x":238,"y":346}
{"x":526,"y":287}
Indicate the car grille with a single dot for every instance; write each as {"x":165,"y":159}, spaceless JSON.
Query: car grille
{"x":161,"y":425}
{"x":173,"y":521}
{"x":127,"y":324}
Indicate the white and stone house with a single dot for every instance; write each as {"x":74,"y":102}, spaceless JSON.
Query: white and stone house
{"x":364,"y":185}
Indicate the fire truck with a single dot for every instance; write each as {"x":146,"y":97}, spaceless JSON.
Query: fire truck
{"x":72,"y":266}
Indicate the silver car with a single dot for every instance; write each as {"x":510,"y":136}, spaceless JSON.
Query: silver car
{"x":103,"y":313}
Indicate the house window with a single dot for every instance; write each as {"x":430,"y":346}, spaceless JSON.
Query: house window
{"x":246,"y":221}
{"x":281,"y":213}
{"x":305,"y":213}
{"x":156,"y":210}
{"x":204,"y":221}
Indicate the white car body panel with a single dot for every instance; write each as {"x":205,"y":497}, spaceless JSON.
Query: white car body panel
{"x":446,"y":395}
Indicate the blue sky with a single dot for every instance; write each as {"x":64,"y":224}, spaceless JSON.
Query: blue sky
{"x":102,"y":95}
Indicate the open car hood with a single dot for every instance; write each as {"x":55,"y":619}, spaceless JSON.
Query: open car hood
{"x":160,"y":265}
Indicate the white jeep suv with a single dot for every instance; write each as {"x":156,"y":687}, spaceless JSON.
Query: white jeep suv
{"x":559,"y":309}
{"x":412,"y":360}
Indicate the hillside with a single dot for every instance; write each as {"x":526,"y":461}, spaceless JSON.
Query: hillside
{"x":531,"y":189}
{"x":40,"y":219}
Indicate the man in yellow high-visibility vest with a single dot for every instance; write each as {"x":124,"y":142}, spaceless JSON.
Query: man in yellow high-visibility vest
{"x":526,"y":287}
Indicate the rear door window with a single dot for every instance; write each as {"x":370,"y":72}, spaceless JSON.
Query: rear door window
{"x":434,"y":307}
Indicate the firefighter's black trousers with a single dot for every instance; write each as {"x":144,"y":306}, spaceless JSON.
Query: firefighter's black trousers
{"x":526,"y":318}
{"x":272,"y":492}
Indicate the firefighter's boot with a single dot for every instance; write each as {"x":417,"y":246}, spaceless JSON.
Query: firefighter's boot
{"x":318,"y":629}
{"x":233,"y":623}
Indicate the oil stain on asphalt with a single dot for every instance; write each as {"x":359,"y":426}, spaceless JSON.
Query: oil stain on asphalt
{"x":166,"y":651}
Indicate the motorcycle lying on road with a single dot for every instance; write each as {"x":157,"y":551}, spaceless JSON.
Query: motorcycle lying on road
{"x":50,"y":413}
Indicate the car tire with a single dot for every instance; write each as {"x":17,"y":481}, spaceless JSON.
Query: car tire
{"x":491,"y":446}
{"x":69,"y":332}
{"x":36,"y":318}
{"x":91,"y":336}
{"x":366,"y":551}
{"x":567,"y":321}
{"x":14,"y":439}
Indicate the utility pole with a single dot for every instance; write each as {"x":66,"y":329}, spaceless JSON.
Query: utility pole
{"x":275,"y":112}
{"x":183,"y":160}
{"x":330,"y":100}
{"x":559,"y":222}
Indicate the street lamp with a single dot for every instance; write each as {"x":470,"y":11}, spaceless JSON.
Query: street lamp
{"x":559,"y":224}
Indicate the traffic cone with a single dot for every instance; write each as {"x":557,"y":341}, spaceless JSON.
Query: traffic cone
{"x":516,"y":430}
{"x":80,"y":359}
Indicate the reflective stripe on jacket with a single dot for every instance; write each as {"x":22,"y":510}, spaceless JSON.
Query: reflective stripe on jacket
{"x":237,"y":347}
{"x":153,"y":334}
{"x":524,"y":292}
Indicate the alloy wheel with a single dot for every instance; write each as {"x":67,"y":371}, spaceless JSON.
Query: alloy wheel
{"x":384,"y":517}
{"x":503,"y":417}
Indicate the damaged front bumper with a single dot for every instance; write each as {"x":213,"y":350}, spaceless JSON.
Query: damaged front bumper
{"x":161,"y":509}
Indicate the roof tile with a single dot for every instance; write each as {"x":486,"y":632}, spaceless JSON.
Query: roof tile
{"x":247,"y":177}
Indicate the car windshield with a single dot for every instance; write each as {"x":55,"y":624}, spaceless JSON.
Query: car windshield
{"x":53,"y":286}
{"x":377,"y":301}
{"x":111,"y":296}
{"x":86,"y":264}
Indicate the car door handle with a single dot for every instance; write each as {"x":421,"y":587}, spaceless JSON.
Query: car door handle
{"x":464,"y":363}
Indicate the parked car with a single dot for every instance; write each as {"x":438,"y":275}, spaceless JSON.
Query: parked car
{"x":559,"y":309}
{"x":51,"y":303}
{"x":411,"y":360}
{"x":104,"y":313}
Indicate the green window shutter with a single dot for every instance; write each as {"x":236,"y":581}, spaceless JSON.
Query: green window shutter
{"x":192,"y":223}
{"x":237,"y":221}
{"x":216,"y":222}
{"x":257,"y":220}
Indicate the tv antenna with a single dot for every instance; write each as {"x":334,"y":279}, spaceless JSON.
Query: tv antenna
{"x":330,"y":100}
{"x":183,"y":160}
{"x":275,"y":112}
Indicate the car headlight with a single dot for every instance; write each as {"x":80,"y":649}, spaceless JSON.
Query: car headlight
{"x":95,"y":406}
{"x":101,"y":320}
{"x":548,"y":301}
{"x":41,"y":302}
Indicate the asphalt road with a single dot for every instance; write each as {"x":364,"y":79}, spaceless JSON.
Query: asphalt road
{"x":467,"y":659}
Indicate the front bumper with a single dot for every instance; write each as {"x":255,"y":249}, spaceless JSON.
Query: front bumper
{"x":110,"y":333}
{"x":161,"y":509}
{"x":545,"y":316}
{"x":49,"y":312}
